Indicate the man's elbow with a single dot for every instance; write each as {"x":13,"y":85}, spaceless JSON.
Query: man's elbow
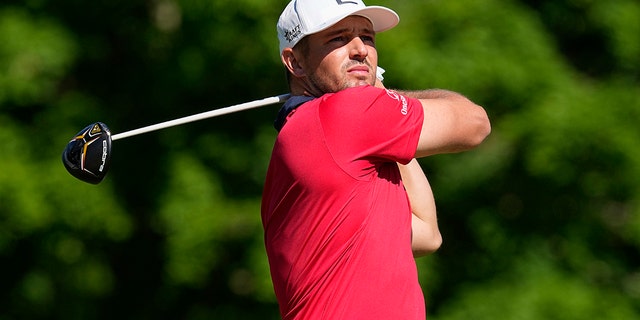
{"x":484,"y":126}
{"x":427,"y":246}
{"x":480,"y":128}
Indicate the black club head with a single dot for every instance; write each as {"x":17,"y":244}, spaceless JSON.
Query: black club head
{"x":88,"y":154}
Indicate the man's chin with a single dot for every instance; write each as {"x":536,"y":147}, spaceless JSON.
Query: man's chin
{"x":359,"y":83}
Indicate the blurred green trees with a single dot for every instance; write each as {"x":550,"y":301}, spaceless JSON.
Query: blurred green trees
{"x":541,"y":222}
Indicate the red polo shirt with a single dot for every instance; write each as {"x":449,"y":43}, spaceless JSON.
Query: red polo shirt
{"x":336,"y":217}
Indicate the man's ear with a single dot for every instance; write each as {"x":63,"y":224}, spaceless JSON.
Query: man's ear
{"x":291,"y":62}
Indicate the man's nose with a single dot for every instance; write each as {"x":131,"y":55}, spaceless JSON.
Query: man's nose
{"x":358,"y":50}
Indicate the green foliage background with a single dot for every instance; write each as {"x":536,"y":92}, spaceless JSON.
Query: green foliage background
{"x":541,"y":222}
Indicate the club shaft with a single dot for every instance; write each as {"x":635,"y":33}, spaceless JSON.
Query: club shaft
{"x":203,"y":115}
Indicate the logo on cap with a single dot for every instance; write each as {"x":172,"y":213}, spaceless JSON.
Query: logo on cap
{"x":293,"y":33}
{"x":345,"y":2}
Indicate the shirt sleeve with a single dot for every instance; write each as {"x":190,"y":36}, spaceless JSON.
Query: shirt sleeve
{"x":371,"y":124}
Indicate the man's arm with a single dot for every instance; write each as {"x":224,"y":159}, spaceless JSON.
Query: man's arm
{"x":452,"y":123}
{"x":425,"y":235}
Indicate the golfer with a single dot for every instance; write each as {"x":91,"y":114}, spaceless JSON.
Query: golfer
{"x":346,"y":207}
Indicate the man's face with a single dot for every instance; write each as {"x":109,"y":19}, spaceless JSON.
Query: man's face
{"x":341,"y":57}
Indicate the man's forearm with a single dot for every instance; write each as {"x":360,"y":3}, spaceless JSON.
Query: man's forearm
{"x":426,"y":237}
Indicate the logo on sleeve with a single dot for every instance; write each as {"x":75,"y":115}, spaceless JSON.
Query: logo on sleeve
{"x":395,"y":96}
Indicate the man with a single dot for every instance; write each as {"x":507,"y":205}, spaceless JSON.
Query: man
{"x":346,"y":206}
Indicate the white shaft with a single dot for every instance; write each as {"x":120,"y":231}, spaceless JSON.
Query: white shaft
{"x":203,"y":115}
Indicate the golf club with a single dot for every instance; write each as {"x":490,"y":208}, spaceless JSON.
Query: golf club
{"x":88,"y":155}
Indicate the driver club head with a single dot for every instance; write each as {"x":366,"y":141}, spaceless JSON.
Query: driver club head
{"x":88,"y":154}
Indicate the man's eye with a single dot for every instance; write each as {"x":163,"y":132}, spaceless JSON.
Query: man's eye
{"x":367,"y":39}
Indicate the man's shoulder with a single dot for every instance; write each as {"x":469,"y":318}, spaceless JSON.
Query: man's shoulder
{"x":360,"y":90}
{"x":366,"y":96}
{"x":362,"y":94}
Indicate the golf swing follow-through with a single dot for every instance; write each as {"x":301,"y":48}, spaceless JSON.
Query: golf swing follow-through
{"x":346,"y":207}
{"x":88,"y":155}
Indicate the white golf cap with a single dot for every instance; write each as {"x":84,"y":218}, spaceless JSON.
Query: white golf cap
{"x":304,"y":17}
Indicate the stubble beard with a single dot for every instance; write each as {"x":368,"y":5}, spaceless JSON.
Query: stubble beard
{"x":325,"y":83}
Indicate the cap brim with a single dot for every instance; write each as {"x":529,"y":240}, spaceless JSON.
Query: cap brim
{"x":382,"y":19}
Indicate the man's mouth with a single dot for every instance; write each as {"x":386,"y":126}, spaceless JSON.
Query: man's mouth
{"x":359,"y":70}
